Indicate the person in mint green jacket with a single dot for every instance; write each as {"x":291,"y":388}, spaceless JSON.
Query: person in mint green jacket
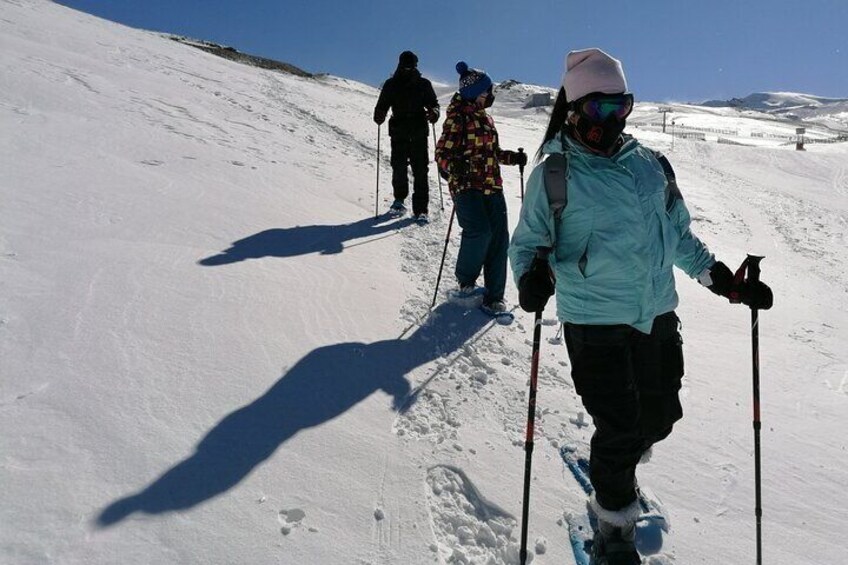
{"x":612,"y":249}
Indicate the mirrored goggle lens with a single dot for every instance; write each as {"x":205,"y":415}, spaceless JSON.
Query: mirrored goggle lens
{"x":600,"y":109}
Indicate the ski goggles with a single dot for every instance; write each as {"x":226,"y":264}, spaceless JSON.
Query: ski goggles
{"x":599,"y":107}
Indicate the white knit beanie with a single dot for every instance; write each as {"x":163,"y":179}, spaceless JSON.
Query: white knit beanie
{"x":592,"y":70}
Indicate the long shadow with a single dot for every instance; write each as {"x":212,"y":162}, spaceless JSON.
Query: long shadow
{"x":321,"y":386}
{"x":302,"y":240}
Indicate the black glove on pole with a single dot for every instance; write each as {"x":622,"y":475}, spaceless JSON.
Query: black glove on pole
{"x":738,"y":289}
{"x":438,"y":176}
{"x":758,"y":296}
{"x":521,"y":164}
{"x":753,"y":263}
{"x":750,"y":291}
{"x":536,"y":285}
{"x":377,"y":203}
{"x":541,"y":256}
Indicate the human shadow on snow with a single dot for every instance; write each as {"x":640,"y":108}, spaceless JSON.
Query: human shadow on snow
{"x":320,"y":387}
{"x":302,"y":240}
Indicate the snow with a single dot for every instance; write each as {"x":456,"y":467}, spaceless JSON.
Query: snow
{"x":212,"y":352}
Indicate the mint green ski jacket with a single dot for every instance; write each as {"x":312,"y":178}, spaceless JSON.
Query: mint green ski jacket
{"x":617,"y":240}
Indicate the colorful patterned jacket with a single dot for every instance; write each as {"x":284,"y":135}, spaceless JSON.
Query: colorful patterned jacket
{"x":468,"y":154}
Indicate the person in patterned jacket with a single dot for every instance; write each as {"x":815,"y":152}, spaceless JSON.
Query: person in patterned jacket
{"x":469,"y":158}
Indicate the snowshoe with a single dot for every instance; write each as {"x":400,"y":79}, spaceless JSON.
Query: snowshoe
{"x":497,"y":310}
{"x":398,"y":208}
{"x":466,"y":292}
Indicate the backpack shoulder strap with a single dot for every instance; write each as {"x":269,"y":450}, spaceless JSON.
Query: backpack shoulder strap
{"x":556,"y":173}
{"x":672,"y":191}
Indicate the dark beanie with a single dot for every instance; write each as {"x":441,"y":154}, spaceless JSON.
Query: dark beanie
{"x":407,"y":59}
{"x":472,"y":82}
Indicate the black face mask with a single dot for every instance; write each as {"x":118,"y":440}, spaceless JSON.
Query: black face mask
{"x":600,"y":136}
{"x":490,"y":99}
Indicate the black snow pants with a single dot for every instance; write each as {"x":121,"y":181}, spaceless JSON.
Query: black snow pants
{"x":629,"y":383}
{"x":411,"y":151}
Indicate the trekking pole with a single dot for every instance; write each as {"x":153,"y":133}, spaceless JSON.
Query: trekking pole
{"x":521,"y":173}
{"x":444,"y":252}
{"x":542,"y":253}
{"x":438,"y":176}
{"x":754,"y":275}
{"x":377,"y":203}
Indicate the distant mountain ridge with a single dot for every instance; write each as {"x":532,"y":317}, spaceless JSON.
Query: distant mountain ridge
{"x":779,"y":102}
{"x":832,"y":112}
{"x":233,"y":54}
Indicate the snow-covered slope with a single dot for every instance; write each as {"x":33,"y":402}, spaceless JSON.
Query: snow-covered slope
{"x":212,"y":352}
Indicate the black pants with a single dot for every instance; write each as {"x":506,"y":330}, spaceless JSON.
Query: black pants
{"x":412,"y":151}
{"x":628,"y":382}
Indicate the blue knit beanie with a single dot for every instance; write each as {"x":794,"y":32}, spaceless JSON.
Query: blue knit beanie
{"x":472,"y":82}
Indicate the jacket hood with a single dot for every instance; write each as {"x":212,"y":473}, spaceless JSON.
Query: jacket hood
{"x":406,"y":74}
{"x":459,"y":105}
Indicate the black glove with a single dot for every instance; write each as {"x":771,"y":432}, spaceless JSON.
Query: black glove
{"x":755,"y":294}
{"x":433,"y":115}
{"x":379,"y":117}
{"x":536,"y":286}
{"x":460,"y":168}
{"x":521,"y":159}
{"x":444,"y":174}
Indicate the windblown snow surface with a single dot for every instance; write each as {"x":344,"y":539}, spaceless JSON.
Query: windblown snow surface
{"x":211,"y":351}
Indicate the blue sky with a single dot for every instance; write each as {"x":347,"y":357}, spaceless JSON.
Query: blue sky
{"x":671,"y":50}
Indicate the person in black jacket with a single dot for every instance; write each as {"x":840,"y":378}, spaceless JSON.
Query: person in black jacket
{"x":413,"y":103}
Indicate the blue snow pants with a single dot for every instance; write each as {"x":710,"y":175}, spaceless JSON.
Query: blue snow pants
{"x":485,"y":240}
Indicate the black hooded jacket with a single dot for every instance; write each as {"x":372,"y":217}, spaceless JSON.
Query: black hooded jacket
{"x":410,"y":96}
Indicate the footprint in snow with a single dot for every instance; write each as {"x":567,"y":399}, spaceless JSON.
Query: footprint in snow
{"x":291,"y":519}
{"x":468,"y":528}
{"x":430,"y":417}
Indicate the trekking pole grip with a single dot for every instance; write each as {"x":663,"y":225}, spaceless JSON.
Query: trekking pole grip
{"x":542,"y":254}
{"x":754,"y":267}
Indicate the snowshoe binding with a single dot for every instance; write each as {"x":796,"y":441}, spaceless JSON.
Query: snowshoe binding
{"x":466,"y":292}
{"x":497,"y":310}
{"x":398,"y":208}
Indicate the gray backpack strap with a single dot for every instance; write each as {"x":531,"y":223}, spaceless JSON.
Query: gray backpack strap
{"x":556,"y":173}
{"x":672,"y":191}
